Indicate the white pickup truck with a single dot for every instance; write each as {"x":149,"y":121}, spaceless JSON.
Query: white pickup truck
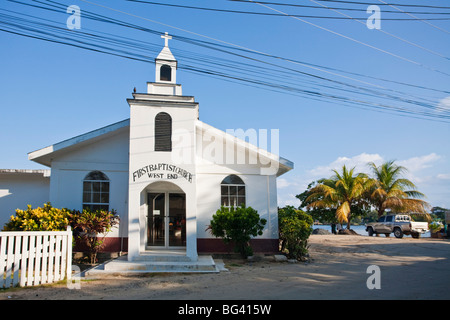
{"x":399,"y":224}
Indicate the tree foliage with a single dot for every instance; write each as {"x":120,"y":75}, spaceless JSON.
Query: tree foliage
{"x":439,"y":213}
{"x":348,"y":194}
{"x":321,"y":214}
{"x":342,"y":191}
{"x":390,"y":190}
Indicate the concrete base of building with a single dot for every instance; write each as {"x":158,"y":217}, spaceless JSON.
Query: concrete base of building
{"x":150,"y":262}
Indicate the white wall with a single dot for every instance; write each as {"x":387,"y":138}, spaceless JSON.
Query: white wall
{"x":260,"y":193}
{"x":217,"y":157}
{"x":110,"y":156}
{"x":184,"y":114}
{"x":17,"y":190}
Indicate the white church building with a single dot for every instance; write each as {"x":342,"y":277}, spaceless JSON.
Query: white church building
{"x":163,"y":170}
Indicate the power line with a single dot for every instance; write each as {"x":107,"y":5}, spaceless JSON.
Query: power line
{"x":386,"y":4}
{"x":201,"y":35}
{"x":269,"y":14}
{"x":355,"y":40}
{"x":110,"y":45}
{"x":249,"y":50}
{"x":296,"y":5}
{"x":388,"y":33}
{"x":417,"y":18}
{"x":227,"y":43}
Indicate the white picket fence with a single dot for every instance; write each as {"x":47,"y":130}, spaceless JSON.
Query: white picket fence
{"x":31,"y":258}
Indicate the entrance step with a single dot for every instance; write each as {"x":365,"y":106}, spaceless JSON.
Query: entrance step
{"x":154,"y":263}
{"x":174,"y":256}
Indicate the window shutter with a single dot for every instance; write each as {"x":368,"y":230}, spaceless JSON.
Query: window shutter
{"x":163,"y":132}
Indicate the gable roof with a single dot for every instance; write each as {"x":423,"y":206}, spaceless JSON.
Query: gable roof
{"x":281,"y":164}
{"x":45,"y":155}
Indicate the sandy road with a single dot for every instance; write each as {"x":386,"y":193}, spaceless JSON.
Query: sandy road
{"x":409,"y":269}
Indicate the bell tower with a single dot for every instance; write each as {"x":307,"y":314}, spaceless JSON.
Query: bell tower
{"x":165,"y":72}
{"x":162,"y":160}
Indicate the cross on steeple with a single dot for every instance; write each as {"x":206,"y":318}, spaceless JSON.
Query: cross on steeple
{"x":166,"y":38}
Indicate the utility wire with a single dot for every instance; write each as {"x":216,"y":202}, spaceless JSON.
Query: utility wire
{"x":143,"y":29}
{"x":355,"y":40}
{"x":226,"y":43}
{"x":417,"y":18}
{"x":269,"y":14}
{"x":296,"y":5}
{"x":188,"y":31}
{"x":386,"y":4}
{"x":388,"y":33}
{"x":279,"y":86}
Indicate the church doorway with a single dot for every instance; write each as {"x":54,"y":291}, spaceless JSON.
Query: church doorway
{"x":166,"y":220}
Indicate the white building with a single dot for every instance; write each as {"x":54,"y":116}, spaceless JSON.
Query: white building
{"x":163,"y":170}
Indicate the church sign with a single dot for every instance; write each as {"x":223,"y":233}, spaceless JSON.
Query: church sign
{"x":153,"y":171}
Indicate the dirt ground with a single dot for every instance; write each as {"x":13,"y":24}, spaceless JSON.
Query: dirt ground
{"x":408,"y":268}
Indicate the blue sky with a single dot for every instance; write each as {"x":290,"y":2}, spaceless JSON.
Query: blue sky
{"x":51,"y":92}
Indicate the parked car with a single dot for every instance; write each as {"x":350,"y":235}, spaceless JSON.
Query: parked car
{"x":399,"y":224}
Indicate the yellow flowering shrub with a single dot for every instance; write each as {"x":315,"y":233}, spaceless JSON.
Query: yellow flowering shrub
{"x":46,"y":218}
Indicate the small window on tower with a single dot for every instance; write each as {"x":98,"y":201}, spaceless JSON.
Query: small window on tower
{"x":165,"y":73}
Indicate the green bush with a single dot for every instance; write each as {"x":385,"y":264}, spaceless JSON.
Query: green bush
{"x":295,"y":227}
{"x":39,"y":219}
{"x":237,"y":225}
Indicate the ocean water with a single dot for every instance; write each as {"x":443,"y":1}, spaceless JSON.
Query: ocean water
{"x":361,"y":229}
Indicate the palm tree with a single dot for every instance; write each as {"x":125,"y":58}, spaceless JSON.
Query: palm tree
{"x":341,"y":191}
{"x":390,"y":190}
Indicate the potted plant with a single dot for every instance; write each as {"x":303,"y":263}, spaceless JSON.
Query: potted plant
{"x":435,"y":228}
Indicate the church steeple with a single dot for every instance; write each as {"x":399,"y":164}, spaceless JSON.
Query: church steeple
{"x":165,"y":72}
{"x":165,"y":63}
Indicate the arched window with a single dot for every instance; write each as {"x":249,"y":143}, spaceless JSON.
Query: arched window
{"x":163,"y":132}
{"x":96,"y":191}
{"x":232,"y":191}
{"x":165,"y":73}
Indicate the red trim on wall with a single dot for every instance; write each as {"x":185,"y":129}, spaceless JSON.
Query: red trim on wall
{"x":116,"y":244}
{"x":111,"y":244}
{"x":218,"y":246}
